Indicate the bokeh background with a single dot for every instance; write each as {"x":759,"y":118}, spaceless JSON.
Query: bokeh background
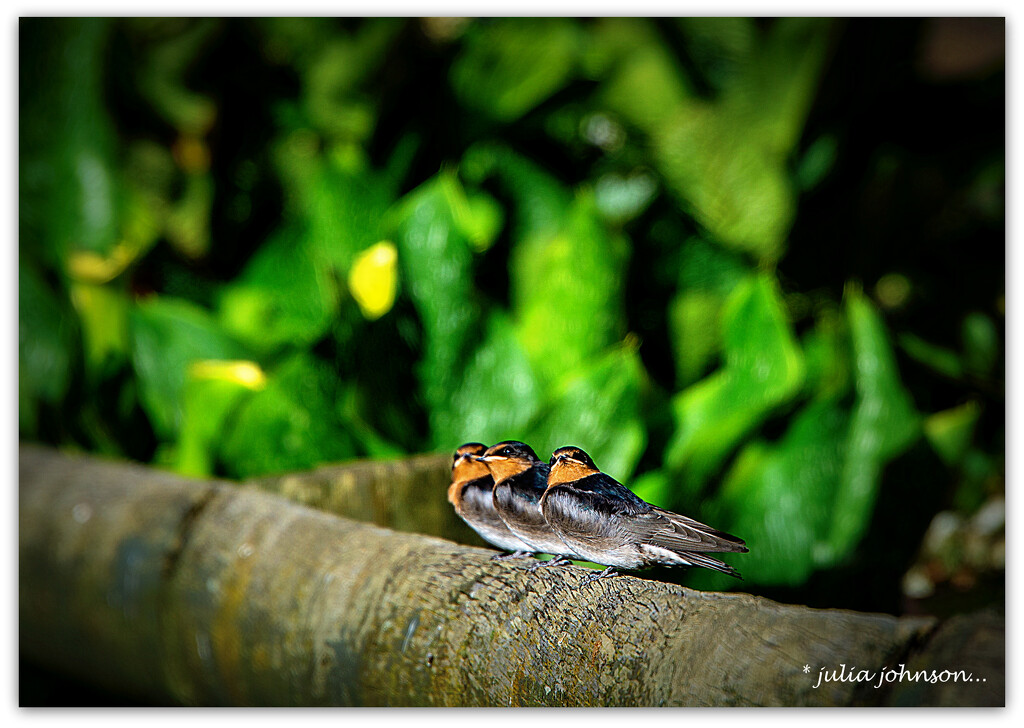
{"x":755,"y":267}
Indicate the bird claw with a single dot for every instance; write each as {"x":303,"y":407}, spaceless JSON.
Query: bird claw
{"x":606,"y":574}
{"x":557,"y":561}
{"x":513,"y":555}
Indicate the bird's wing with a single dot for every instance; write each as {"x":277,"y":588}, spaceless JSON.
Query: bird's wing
{"x":679,"y":533}
{"x":591,"y":508}
{"x":609,"y":495}
{"x":585,"y":514}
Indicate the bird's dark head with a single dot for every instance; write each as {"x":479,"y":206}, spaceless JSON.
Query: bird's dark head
{"x":569,"y":464}
{"x":465,"y":466}
{"x":509,"y":458}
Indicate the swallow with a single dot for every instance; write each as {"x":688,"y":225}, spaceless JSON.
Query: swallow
{"x":471,"y":493}
{"x":520,"y":478}
{"x":603,"y":521}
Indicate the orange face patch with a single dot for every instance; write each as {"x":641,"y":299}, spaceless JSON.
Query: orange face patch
{"x":465,"y":470}
{"x":566,"y":471}
{"x":504,"y":468}
{"x":470,"y":449}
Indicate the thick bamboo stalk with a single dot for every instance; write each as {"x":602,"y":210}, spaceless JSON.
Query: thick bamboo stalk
{"x":203,"y":593}
{"x":406,"y":495}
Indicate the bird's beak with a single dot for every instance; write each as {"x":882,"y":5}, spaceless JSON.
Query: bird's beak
{"x":565,"y":460}
{"x":488,"y":458}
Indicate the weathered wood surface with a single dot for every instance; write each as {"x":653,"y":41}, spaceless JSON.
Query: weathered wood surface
{"x":408,"y":495}
{"x":204,"y":593}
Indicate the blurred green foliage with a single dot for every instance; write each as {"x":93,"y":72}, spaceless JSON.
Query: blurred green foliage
{"x":252,"y":246}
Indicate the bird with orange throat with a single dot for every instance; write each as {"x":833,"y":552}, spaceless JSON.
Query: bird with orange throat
{"x":602,"y":521}
{"x":471,"y":493}
{"x":520,"y":478}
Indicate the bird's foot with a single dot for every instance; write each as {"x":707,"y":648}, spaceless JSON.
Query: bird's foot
{"x":606,"y":574}
{"x":557,"y":561}
{"x":513,"y":555}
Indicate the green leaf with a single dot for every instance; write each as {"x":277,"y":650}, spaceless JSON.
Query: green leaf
{"x":341,"y":202}
{"x":540,"y":200}
{"x":726,"y":181}
{"x":68,"y":186}
{"x":207,"y":405}
{"x":817,"y":162}
{"x":726,"y":159}
{"x":950,"y":432}
{"x":779,"y":498}
{"x":884,"y":423}
{"x":934,"y":357}
{"x":483,"y":221}
{"x":188,"y":220}
{"x":708,"y":267}
{"x":103,"y":312}
{"x":166,"y":335}
{"x":171,"y":47}
{"x":436,"y":265}
{"x":598,"y":409}
{"x":981,"y":476}
{"x":284,"y":296}
{"x":567,"y":292}
{"x":829,"y":358}
{"x":772,"y":94}
{"x":719,"y":47}
{"x":46,"y":337}
{"x":981,"y":342}
{"x":643,"y":82}
{"x":292,"y":424}
{"x":497,"y":394}
{"x":803,"y":503}
{"x":763,"y":369}
{"x":507,"y":67}
{"x":337,"y":70}
{"x":695,"y":325}
{"x":368,"y":440}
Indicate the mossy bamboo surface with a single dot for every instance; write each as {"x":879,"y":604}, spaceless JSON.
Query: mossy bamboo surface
{"x":206,"y":593}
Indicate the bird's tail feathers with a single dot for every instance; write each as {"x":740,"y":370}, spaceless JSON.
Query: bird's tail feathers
{"x":696,"y":559}
{"x":691,"y":530}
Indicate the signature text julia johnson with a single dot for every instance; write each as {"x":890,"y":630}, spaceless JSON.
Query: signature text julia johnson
{"x":887,"y":675}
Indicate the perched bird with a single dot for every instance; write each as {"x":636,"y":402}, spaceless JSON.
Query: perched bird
{"x":472,"y":495}
{"x":604,"y":522}
{"x":520,"y":478}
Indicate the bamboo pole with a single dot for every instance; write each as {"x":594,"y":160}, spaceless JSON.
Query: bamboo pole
{"x":204,"y":593}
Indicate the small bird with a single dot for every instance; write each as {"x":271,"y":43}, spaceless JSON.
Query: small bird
{"x":520,"y":478}
{"x":605,"y":522}
{"x":472,"y":495}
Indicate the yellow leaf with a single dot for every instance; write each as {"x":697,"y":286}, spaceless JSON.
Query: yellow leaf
{"x":373,"y":279}
{"x":93,"y":267}
{"x":246,"y":373}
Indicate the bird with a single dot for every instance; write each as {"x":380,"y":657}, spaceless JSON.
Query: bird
{"x":471,"y":493}
{"x":520,"y":478}
{"x":603,"y":521}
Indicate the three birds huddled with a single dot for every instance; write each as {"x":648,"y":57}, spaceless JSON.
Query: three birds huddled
{"x":568,"y":508}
